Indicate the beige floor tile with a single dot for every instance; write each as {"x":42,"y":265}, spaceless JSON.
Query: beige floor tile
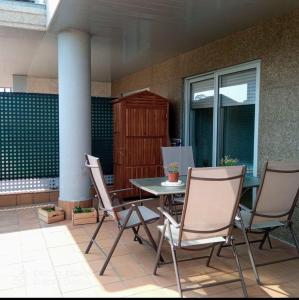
{"x":129,"y":271}
{"x":43,"y":290}
{"x":10,"y":258}
{"x":110,"y":276}
{"x":116,"y":289}
{"x":78,"y":269}
{"x":39,"y":272}
{"x":93,"y":292}
{"x":19,"y":292}
{"x":65,"y":255}
{"x":39,"y":259}
{"x":77,"y":282}
{"x":34,"y":255}
{"x":59,"y":238}
{"x":12,"y":277}
{"x":140,"y":285}
{"x":159,"y":293}
{"x":95,"y":265}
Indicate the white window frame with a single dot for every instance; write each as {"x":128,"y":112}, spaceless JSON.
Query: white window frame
{"x":216,"y":74}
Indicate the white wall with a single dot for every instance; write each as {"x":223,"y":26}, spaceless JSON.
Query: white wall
{"x":50,"y":86}
{"x":52,"y":5}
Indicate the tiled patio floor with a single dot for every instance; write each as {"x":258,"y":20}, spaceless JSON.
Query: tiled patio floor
{"x":40,"y":260}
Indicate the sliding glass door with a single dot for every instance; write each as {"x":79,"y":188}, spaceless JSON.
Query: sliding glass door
{"x":202,"y":99}
{"x":221,"y":116}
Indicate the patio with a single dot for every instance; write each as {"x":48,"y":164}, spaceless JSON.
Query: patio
{"x":119,"y":81}
{"x":38,"y":259}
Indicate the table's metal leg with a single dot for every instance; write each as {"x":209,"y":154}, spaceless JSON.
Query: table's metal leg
{"x":162,"y":199}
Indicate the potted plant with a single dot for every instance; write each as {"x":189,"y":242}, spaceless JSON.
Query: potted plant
{"x":51,"y":214}
{"x":173,"y":172}
{"x":228,"y":161}
{"x":84,"y":215}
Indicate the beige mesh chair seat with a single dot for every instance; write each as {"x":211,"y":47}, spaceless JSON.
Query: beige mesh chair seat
{"x":183,"y":155}
{"x":175,"y":235}
{"x":246,"y":217}
{"x":211,"y":202}
{"x":130,"y":215}
{"x":148,"y":216}
{"x":274,"y":207}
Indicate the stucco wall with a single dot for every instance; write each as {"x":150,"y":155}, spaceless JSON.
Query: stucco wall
{"x":50,"y":86}
{"x":276,"y":43}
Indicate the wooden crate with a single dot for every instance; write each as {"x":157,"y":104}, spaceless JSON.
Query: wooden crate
{"x":51,"y":217}
{"x":85,"y":217}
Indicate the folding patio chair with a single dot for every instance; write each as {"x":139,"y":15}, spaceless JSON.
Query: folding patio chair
{"x":183,"y":155}
{"x":211,"y":202}
{"x":128,"y":215}
{"x":274,"y":207}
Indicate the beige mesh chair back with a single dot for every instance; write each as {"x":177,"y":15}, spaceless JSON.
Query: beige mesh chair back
{"x":98,"y":181}
{"x":211,"y":202}
{"x":130,"y":215}
{"x":274,"y":207}
{"x":278,"y":193}
{"x":183,"y":155}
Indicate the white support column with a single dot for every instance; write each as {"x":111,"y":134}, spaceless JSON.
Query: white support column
{"x":74,"y":67}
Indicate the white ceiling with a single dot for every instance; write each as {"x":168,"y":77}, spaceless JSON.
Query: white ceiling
{"x":129,"y":35}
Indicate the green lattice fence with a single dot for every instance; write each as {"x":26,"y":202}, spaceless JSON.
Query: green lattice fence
{"x":29,"y":132}
{"x":102,"y":132}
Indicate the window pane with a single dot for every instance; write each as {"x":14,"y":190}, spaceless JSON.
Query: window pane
{"x":237,"y":140}
{"x":238,"y":88}
{"x":237,"y":113}
{"x":202,"y":139}
{"x":202,"y":93}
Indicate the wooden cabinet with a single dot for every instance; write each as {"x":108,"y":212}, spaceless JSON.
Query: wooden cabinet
{"x":140,"y":129}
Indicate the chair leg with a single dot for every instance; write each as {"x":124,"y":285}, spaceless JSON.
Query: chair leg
{"x":269,"y":241}
{"x":219,"y":249}
{"x":111,"y":251}
{"x":159,"y":250}
{"x":266,"y":234}
{"x":146,"y":228}
{"x":136,"y":237}
{"x":210,"y":257}
{"x":148,"y":233}
{"x":95,"y":234}
{"x":116,"y":242}
{"x":175,"y":208}
{"x":251,"y":257}
{"x":244,"y":231}
{"x":239,"y":268}
{"x":176,"y":269}
{"x":294,"y":237}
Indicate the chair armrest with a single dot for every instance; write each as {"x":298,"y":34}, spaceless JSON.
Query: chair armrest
{"x":169,"y":217}
{"x":133,"y":202}
{"x":120,"y":190}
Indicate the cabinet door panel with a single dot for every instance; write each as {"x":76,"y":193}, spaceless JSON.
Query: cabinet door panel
{"x":136,"y":121}
{"x":142,"y":151}
{"x":157,"y":121}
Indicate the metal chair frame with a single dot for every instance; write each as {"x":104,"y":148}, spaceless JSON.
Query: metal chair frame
{"x":265,"y":231}
{"x":133,"y":207}
{"x":229,"y":239}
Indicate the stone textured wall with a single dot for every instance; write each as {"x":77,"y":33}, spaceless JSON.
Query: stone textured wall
{"x":50,"y":86}
{"x":276,"y":43}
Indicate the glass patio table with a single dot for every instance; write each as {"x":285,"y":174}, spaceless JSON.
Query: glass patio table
{"x":153,"y":186}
